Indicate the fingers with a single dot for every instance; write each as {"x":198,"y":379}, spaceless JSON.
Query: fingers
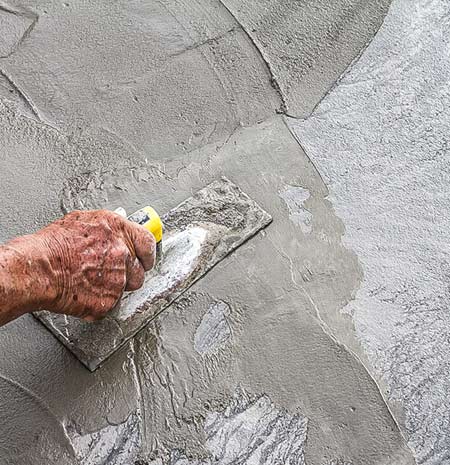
{"x":100,"y":255}
{"x":144,"y":245}
{"x":98,"y":309}
{"x":135,"y":274}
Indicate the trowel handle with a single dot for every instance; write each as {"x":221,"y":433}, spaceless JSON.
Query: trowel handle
{"x":150,"y":220}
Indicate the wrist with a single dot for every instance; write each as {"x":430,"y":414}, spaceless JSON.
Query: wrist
{"x":26,"y":276}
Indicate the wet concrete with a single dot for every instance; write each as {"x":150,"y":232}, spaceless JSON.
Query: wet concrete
{"x":125,"y":104}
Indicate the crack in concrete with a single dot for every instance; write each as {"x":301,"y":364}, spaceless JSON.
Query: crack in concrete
{"x":210,"y":41}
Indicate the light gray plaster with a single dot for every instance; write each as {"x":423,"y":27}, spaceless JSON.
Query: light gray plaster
{"x":165,"y":77}
{"x":295,"y":197}
{"x":250,"y":431}
{"x":214,"y":329}
{"x":131,"y":103}
{"x":380,"y":141}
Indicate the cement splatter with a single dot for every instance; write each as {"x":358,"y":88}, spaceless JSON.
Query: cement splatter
{"x":251,"y":430}
{"x":214,"y":329}
{"x":380,"y":140}
{"x":295,"y":197}
{"x":112,"y":445}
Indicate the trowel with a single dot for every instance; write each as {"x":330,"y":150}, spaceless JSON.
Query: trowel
{"x":198,"y":234}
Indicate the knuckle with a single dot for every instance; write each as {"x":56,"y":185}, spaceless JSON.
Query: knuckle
{"x":119,"y":253}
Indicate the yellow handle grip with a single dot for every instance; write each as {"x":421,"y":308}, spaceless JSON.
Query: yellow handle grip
{"x":151,"y":221}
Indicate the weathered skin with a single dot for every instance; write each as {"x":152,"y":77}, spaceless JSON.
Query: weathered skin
{"x":79,"y":265}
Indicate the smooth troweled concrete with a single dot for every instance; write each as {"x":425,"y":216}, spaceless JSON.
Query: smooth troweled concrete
{"x":126,"y":103}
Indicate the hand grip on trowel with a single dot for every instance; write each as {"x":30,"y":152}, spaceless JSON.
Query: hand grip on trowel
{"x":151,"y":221}
{"x":200,"y":232}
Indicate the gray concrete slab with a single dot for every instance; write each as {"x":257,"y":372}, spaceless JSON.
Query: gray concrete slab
{"x":380,"y":141}
{"x":164,"y":77}
{"x":170,"y":395}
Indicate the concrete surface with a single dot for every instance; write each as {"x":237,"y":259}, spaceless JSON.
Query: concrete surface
{"x":380,"y":142}
{"x":127,"y":103}
{"x":307,"y":45}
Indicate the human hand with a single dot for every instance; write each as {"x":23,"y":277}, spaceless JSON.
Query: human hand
{"x":92,"y":257}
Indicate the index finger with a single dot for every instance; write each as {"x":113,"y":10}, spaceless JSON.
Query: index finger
{"x":144,"y":244}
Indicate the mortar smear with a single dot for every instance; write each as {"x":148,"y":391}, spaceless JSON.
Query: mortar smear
{"x":295,"y":197}
{"x":214,"y":329}
{"x":250,"y":431}
{"x":181,"y":253}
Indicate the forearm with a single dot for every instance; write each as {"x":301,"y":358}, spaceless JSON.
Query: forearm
{"x":25,"y":283}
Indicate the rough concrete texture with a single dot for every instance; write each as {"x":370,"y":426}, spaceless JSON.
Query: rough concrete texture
{"x":380,"y":141}
{"x":111,"y":104}
{"x":111,"y":445}
{"x":307,"y":45}
{"x":252,"y":430}
{"x":162,"y":76}
{"x":15,"y":24}
{"x":199,"y":232}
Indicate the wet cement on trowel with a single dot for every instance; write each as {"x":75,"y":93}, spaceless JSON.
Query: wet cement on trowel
{"x":199,"y":232}
{"x":129,"y":104}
